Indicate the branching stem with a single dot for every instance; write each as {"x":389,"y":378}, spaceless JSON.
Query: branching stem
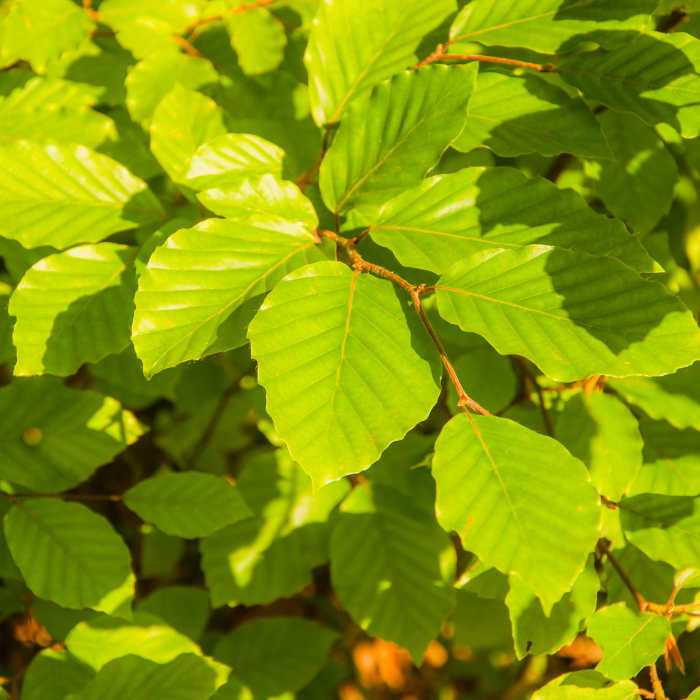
{"x":235,"y":11}
{"x":656,"y":683}
{"x":362,"y":265}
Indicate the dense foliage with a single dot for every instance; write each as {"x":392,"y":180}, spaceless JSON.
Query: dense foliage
{"x":346,"y":349}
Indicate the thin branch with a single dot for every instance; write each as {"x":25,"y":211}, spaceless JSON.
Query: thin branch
{"x":656,"y":683}
{"x":187,"y":46}
{"x":525,"y":364}
{"x":14,"y":497}
{"x":540,"y":67}
{"x":213,"y":424}
{"x":235,"y":11}
{"x":672,"y":21}
{"x":641,"y":601}
{"x":560,"y":164}
{"x":360,"y":264}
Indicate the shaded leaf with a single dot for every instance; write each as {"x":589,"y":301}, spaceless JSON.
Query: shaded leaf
{"x":63,"y":195}
{"x":630,"y":640}
{"x":504,"y":512}
{"x":185,"y":609}
{"x":603,"y":433}
{"x":391,"y":140}
{"x":551,"y":26}
{"x":384,"y":39}
{"x":638,"y":185}
{"x":73,"y":307}
{"x":385,"y":567}
{"x":53,"y":438}
{"x":538,"y":117}
{"x":66,"y":553}
{"x":449,"y":217}
{"x":665,"y":528}
{"x":53,"y":674}
{"x":275,"y":655}
{"x":673,"y":397}
{"x":655,"y":77}
{"x":338,"y":411}
{"x":203,"y":285}
{"x":572,"y":314}
{"x":187,"y":505}
{"x":481,"y":623}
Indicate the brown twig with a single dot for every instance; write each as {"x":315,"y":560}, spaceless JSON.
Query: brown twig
{"x":525,"y":364}
{"x":187,"y":46}
{"x":560,"y":164}
{"x":641,"y":601}
{"x":540,"y":67}
{"x":235,"y":11}
{"x":672,"y":21}
{"x":656,"y":683}
{"x":362,"y":265}
{"x":14,"y":497}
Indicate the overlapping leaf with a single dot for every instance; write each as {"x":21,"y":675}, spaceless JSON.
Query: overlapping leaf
{"x":673,"y":397}
{"x":73,"y":307}
{"x":63,"y":195}
{"x":586,"y":685}
{"x":202,"y":287}
{"x":638,"y":185}
{"x":385,"y":567}
{"x":550,"y":26}
{"x":275,"y":655}
{"x":505,"y":511}
{"x":230,"y":158}
{"x":54,"y":674}
{"x":671,"y":460}
{"x":630,"y":640}
{"x":259,"y":40}
{"x":187,"y":505}
{"x":604,"y":434}
{"x":182,"y":122}
{"x":390,"y":141}
{"x":449,"y":217}
{"x":655,"y":76}
{"x":53,"y":438}
{"x":184,"y":608}
{"x":572,"y":314}
{"x":665,"y":528}
{"x":346,"y":366}
{"x":383,"y":40}
{"x":513,"y":115}
{"x":66,"y":553}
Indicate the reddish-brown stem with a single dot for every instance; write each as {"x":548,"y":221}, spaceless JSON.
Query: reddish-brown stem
{"x":641,"y":601}
{"x":183,"y":43}
{"x":656,"y":683}
{"x":560,"y":164}
{"x":235,"y":11}
{"x":541,"y":67}
{"x":13,"y":497}
{"x":525,"y":364}
{"x":362,"y":265}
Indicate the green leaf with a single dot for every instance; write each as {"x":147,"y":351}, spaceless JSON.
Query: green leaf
{"x":63,"y":195}
{"x":665,"y":528}
{"x":7,"y":349}
{"x":231,"y":157}
{"x":671,"y":460}
{"x":262,"y":199}
{"x":182,"y":122}
{"x":185,"y":609}
{"x":53,"y":109}
{"x":536,"y":634}
{"x":655,"y":77}
{"x":53,"y":438}
{"x":121,"y":377}
{"x":481,"y":623}
{"x":638,"y":185}
{"x":374,"y":374}
{"x":540,"y":117}
{"x":383,"y":38}
{"x":586,"y":685}
{"x":73,"y":307}
{"x":673,"y":397}
{"x":603,"y":433}
{"x":53,"y":674}
{"x":449,"y":217}
{"x":630,"y":640}
{"x":160,"y":553}
{"x":385,"y":567}
{"x":505,"y":513}
{"x":275,"y":655}
{"x":271,"y":555}
{"x":259,"y":40}
{"x":176,"y":13}
{"x":551,"y":26}
{"x":66,"y":553}
{"x":572,"y":314}
{"x":99,"y":641}
{"x":204,"y":284}
{"x":39,"y":32}
{"x":150,"y":80}
{"x":187,"y":505}
{"x":187,"y":677}
{"x":390,"y":141}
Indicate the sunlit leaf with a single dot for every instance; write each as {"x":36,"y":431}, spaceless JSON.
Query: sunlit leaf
{"x":586,"y":685}
{"x":259,"y":40}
